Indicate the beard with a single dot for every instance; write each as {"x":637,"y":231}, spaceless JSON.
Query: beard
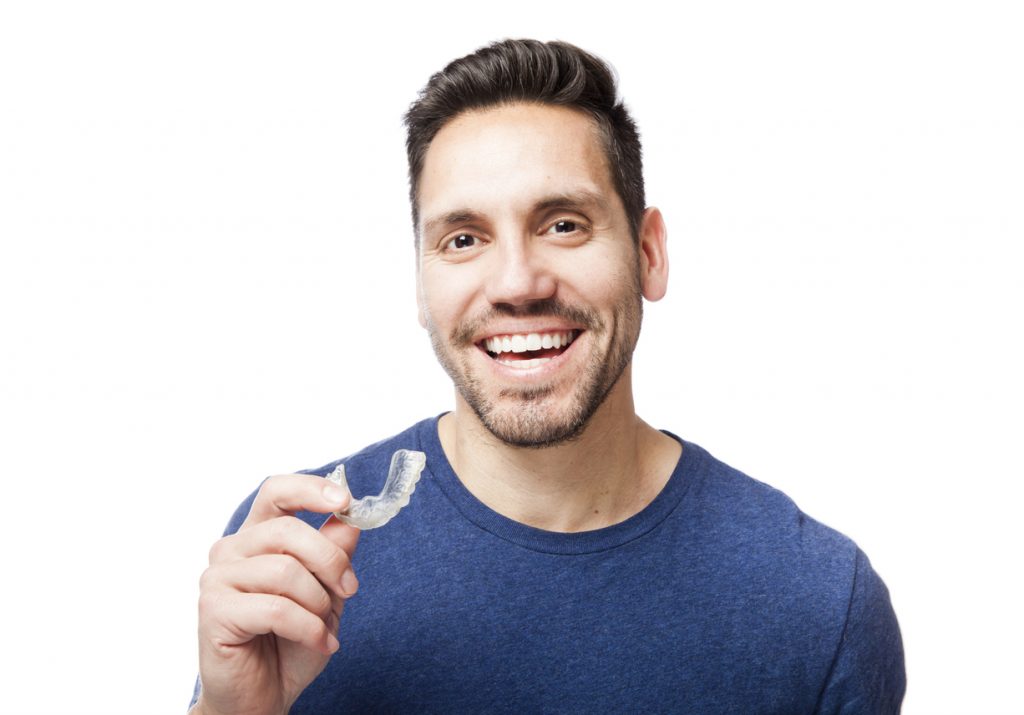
{"x":534,"y":417}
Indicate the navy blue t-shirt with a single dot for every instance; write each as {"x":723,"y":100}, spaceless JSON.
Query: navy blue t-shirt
{"x":719,"y":597}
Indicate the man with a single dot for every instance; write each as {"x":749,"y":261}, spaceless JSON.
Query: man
{"x":559,"y":554}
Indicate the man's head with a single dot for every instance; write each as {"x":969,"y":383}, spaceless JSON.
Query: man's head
{"x":529,"y":71}
{"x":531,"y":269}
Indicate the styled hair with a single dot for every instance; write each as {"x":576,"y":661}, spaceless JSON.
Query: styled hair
{"x":511,"y":71}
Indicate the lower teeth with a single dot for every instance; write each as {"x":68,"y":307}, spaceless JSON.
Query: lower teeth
{"x":524,"y":364}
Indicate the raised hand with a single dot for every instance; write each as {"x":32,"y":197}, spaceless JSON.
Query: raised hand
{"x":272,"y":597}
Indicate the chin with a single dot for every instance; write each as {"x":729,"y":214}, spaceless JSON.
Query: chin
{"x":536,"y":419}
{"x":533,"y":434}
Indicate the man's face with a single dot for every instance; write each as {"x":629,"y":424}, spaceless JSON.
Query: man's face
{"x":529,"y":280}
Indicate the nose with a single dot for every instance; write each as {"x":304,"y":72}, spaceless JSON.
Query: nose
{"x":519,"y":275}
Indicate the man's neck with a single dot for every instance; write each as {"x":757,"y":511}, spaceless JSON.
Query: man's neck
{"x":612,"y":471}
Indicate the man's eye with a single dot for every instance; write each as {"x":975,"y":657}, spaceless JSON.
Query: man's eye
{"x":463,"y":240}
{"x":564,"y":227}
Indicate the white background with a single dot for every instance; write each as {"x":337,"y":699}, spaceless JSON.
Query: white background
{"x":207,"y":277}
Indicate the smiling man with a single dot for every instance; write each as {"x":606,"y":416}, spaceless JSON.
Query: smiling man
{"x":559,"y":554}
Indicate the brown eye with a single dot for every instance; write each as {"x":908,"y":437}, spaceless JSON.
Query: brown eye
{"x":463,"y":240}
{"x":564,"y":227}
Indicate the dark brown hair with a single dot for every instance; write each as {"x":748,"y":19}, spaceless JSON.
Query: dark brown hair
{"x":509,"y":71}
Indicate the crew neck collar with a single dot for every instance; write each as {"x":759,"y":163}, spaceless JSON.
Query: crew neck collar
{"x":554,"y":542}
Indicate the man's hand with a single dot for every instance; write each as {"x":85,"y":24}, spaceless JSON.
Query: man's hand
{"x":270,"y":602}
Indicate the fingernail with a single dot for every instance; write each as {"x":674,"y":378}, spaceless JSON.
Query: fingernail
{"x":335,"y":494}
{"x":349,"y":583}
{"x":332,"y":643}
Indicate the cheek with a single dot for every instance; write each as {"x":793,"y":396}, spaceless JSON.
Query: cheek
{"x":611,"y":286}
{"x":608,"y":263}
{"x":430,"y":300}
{"x":444,"y":297}
{"x":439,"y":314}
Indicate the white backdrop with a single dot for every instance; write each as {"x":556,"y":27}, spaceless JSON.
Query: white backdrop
{"x":207,"y":277}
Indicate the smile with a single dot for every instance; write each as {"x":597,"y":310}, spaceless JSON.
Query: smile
{"x":527,"y":350}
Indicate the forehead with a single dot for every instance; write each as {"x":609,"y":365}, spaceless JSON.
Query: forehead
{"x":503,"y":158}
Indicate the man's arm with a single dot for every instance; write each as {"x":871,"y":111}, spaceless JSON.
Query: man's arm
{"x":868,"y":673}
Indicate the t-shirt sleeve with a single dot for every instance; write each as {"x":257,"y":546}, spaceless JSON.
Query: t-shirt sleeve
{"x":867,"y":673}
{"x":238,"y":518}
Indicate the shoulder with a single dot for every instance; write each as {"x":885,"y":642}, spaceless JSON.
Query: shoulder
{"x":761,"y":540}
{"x":365,"y":471}
{"x":761,"y":516}
{"x":817,"y":583}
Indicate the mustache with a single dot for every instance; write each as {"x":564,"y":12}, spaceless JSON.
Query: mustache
{"x":549,"y":308}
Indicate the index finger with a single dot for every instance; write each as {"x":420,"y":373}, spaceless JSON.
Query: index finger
{"x":285,"y":494}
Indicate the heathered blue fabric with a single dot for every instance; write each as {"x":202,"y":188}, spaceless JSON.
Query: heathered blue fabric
{"x":720,"y":597}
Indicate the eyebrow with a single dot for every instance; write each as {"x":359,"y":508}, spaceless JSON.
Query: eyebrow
{"x":573,"y":200}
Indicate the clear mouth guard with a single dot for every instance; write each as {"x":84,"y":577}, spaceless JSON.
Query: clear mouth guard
{"x":373,"y":511}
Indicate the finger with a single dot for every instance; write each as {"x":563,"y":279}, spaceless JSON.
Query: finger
{"x":288,"y":535}
{"x":244,"y":616}
{"x":341,"y":534}
{"x":286,"y":494}
{"x":337,"y":607}
{"x":277,"y":575}
{"x":346,"y":537}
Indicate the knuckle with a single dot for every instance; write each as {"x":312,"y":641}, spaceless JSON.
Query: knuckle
{"x":206,"y":579}
{"x":266,"y":494}
{"x":269,"y":487}
{"x":324,"y":604}
{"x":285,"y":568}
{"x":209,"y":605}
{"x":274,"y":487}
{"x":217,"y":551}
{"x":282,"y":529}
{"x":334,"y":559}
{"x":275,"y":611}
{"x":316,"y":630}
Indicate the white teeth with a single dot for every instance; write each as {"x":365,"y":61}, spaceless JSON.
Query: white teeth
{"x":524,"y":364}
{"x":528,"y":341}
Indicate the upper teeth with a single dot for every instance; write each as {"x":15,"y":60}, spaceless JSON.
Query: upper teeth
{"x":528,"y":341}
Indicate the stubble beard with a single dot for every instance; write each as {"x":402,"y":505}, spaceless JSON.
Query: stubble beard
{"x":532,"y":420}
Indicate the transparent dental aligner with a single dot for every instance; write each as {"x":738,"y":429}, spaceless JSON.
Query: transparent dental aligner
{"x":373,"y":511}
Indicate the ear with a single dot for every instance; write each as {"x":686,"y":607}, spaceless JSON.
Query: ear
{"x":653,"y":255}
